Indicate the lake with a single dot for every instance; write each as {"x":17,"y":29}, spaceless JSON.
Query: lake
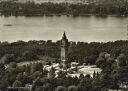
{"x":87,"y":28}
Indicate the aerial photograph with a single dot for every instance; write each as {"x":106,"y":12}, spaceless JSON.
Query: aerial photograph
{"x":63,"y":45}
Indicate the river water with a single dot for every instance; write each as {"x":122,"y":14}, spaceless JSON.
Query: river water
{"x":88,"y":29}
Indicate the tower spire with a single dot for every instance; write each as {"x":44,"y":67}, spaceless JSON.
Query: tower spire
{"x":64,"y":35}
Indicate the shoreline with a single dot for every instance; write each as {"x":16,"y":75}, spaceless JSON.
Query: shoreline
{"x":68,"y":15}
{"x":9,"y":42}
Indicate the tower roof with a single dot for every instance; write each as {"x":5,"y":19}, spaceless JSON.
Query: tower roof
{"x":64,"y":36}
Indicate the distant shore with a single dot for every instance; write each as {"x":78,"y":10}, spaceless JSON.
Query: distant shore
{"x":54,"y":9}
{"x":68,"y":15}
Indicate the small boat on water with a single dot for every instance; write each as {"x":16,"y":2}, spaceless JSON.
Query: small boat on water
{"x":7,"y":24}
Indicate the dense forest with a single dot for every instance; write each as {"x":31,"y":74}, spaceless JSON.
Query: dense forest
{"x":103,"y":8}
{"x":114,"y":74}
{"x":81,"y":52}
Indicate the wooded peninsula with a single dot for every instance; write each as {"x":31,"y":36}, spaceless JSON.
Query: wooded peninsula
{"x":104,"y":8}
